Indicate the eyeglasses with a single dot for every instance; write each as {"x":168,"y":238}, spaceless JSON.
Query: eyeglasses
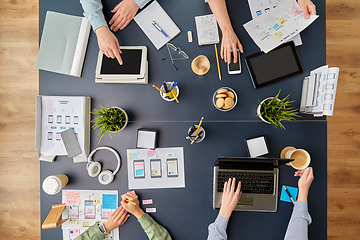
{"x":175,"y":49}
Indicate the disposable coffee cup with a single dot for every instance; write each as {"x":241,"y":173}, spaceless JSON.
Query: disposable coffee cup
{"x":168,"y":96}
{"x":53,"y":184}
{"x":301,"y":158}
{"x":200,"y":135}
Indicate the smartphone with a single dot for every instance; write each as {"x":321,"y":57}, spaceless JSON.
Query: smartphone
{"x":139,"y":169}
{"x":172,"y":167}
{"x":155,"y":168}
{"x":234,"y":68}
{"x":89,"y":209}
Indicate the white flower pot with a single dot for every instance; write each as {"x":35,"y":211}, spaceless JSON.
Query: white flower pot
{"x":126,"y":119}
{"x":259,"y":107}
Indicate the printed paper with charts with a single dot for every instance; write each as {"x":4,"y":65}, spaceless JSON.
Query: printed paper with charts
{"x":84,"y":208}
{"x":277,"y":26}
{"x":159,"y":168}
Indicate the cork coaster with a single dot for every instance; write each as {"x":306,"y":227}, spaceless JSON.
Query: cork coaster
{"x":283,"y":152}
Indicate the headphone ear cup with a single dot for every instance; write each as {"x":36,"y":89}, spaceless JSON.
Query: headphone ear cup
{"x":106,"y":177}
{"x":94,"y":168}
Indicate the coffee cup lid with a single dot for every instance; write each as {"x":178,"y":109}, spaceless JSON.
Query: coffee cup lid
{"x":199,"y":71}
{"x":51,"y":185}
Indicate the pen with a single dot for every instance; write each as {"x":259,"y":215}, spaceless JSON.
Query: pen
{"x":174,"y":95}
{"x":217,"y":61}
{"x":172,"y":87}
{"x":126,"y":200}
{"x":159,"y":29}
{"x":165,"y":87}
{"x":158,"y":89}
{"x":199,"y":126}
{"x":288,"y":193}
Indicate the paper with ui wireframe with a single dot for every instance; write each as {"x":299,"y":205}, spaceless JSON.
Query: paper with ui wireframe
{"x":72,"y":198}
{"x":277,"y":26}
{"x":207,"y":29}
{"x":285,"y":197}
{"x":261,"y":7}
{"x":154,"y":12}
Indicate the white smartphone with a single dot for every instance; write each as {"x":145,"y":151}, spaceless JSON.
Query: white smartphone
{"x":234,"y":68}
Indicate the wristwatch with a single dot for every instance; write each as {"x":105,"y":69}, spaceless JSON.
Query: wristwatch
{"x":102,"y":228}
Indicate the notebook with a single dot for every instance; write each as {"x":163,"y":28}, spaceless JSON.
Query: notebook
{"x":63,"y":44}
{"x":155,"y":13}
{"x":207,"y":29}
{"x":259,"y":181}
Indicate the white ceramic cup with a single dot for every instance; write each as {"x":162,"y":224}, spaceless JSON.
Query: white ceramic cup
{"x":302,"y":158}
{"x":175,"y":90}
{"x":53,"y":184}
{"x":200,"y":139}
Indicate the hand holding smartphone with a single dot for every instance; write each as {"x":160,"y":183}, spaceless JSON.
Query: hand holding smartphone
{"x":234,"y":68}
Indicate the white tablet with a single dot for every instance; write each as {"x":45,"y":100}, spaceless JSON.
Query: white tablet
{"x":133,"y":70}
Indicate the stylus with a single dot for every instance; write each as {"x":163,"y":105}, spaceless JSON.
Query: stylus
{"x":159,"y":29}
{"x":288,"y":193}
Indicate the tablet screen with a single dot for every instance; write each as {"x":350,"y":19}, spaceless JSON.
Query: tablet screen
{"x":277,"y":64}
{"x":131,"y":63}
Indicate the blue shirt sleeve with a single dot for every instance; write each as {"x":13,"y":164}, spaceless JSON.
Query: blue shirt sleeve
{"x":141,"y":3}
{"x":93,"y":11}
{"x":299,"y":221}
{"x":217,"y":229}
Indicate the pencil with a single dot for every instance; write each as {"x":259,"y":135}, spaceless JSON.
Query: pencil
{"x":217,"y":61}
{"x":126,"y":200}
{"x":158,"y":89}
{"x":199,"y":125}
{"x":174,"y":95}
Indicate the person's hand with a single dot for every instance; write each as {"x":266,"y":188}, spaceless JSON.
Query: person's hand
{"x":306,"y":178}
{"x":124,"y":12}
{"x":307,"y":7}
{"x":131,"y":208}
{"x":116,"y":219}
{"x":230,"y":198}
{"x":230,"y":42}
{"x":108,"y":43}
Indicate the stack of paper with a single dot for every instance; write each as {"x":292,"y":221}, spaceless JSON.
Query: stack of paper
{"x":207,"y":29}
{"x":319,"y":90}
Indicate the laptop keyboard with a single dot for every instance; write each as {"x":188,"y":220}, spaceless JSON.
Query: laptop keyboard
{"x":251,"y":182}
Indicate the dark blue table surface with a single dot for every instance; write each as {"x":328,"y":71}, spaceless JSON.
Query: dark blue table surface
{"x":190,"y":208}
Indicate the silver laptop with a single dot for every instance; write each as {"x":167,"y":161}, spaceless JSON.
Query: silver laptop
{"x":259,"y":181}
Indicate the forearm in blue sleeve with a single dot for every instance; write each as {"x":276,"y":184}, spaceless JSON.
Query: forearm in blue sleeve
{"x":93,"y":11}
{"x":142,"y":3}
{"x":217,"y":229}
{"x":299,"y":221}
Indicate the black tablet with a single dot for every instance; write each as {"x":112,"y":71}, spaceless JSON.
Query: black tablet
{"x":278,"y":64}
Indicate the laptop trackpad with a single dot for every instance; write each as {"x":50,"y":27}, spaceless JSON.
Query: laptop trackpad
{"x":245,"y":201}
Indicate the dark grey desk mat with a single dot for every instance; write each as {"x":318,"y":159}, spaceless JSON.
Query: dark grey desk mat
{"x":190,"y":208}
{"x":144,"y":102}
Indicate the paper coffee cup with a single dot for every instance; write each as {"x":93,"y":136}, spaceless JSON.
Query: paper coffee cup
{"x":301,"y":158}
{"x":53,"y":184}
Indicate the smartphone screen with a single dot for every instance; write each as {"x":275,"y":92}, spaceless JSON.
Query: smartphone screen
{"x":172,"y":167}
{"x":155,"y":168}
{"x":234,"y":68}
{"x":139,"y":169}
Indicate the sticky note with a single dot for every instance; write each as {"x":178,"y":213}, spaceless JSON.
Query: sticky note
{"x":72,"y":198}
{"x":109,"y":201}
{"x":293,"y":192}
{"x":97,"y":200}
{"x":123,"y":196}
{"x":151,"y":153}
{"x":133,"y":156}
{"x":278,"y":35}
{"x":296,"y":12}
{"x":281,"y":21}
{"x":86,"y":224}
{"x":73,"y":220}
{"x":151,"y":210}
{"x":149,"y":201}
{"x":74,"y":233}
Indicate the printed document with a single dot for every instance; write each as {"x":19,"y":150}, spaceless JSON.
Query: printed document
{"x":277,"y":26}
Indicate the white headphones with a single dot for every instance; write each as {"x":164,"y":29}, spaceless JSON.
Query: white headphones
{"x":94,"y":168}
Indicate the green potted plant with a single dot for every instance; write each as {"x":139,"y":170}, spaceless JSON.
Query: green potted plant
{"x":272,"y":110}
{"x":111,"y":120}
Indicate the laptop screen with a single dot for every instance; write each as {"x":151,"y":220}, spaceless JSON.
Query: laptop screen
{"x":245,"y":163}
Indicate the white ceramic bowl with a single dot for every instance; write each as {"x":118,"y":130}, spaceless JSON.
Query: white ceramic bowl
{"x":235,"y":99}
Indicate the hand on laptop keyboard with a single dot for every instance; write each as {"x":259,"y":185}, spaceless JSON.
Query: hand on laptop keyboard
{"x":230,"y":197}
